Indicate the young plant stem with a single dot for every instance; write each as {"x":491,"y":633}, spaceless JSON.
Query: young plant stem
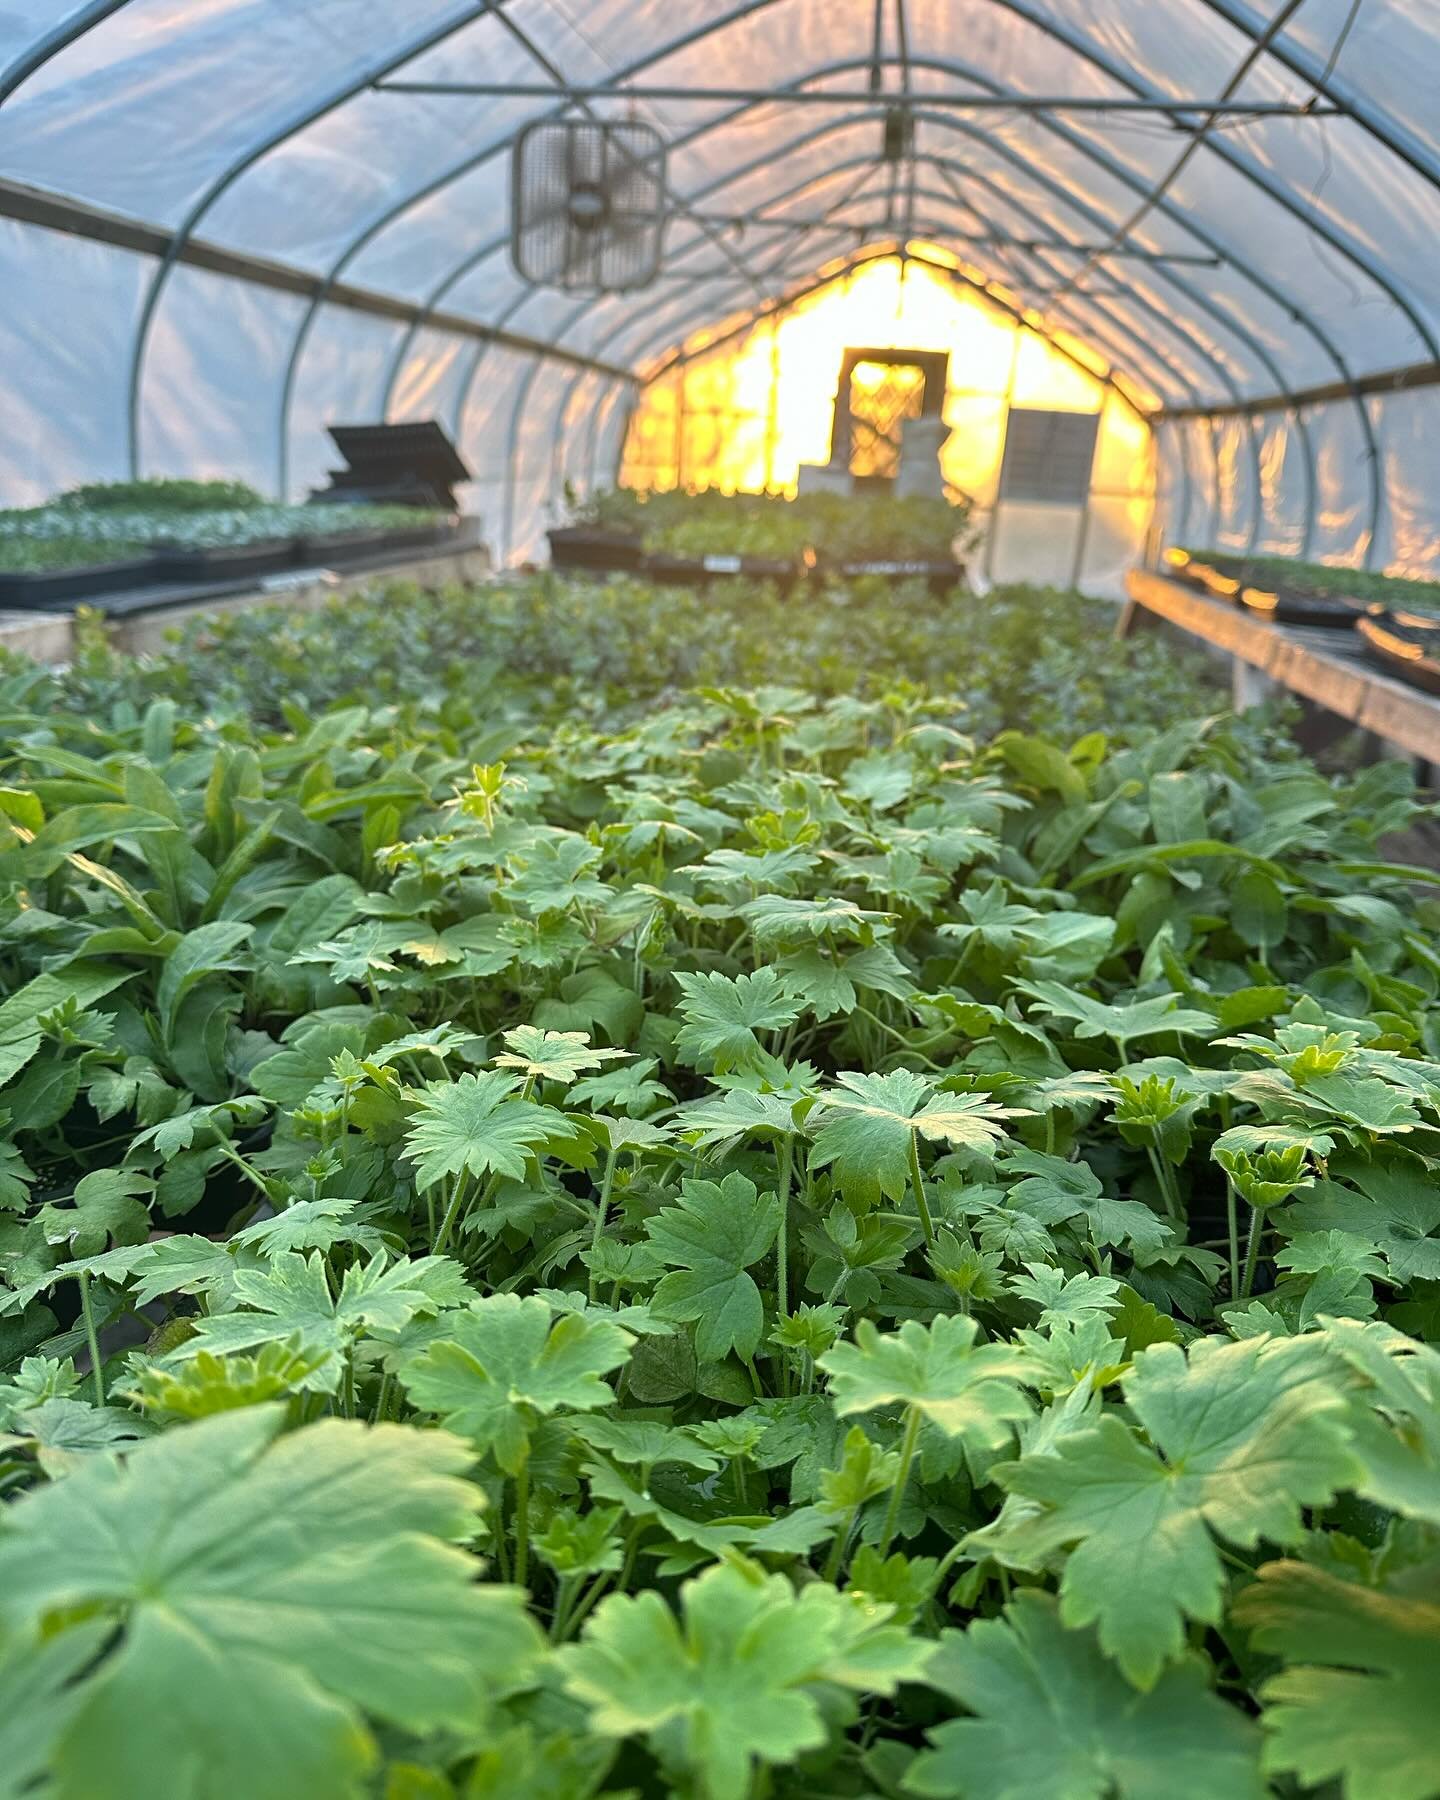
{"x":92,"y":1338}
{"x":522,"y":1523}
{"x":918,"y":1183}
{"x":1252,"y":1253}
{"x":785,"y":1155}
{"x":835,"y":1560}
{"x":382,"y":1401}
{"x":1232,"y":1221}
{"x":1162,"y":1178}
{"x":457,"y":1195}
{"x":902,"y":1476}
{"x":603,"y":1206}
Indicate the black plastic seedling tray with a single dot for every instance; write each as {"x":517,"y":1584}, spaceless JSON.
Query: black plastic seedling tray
{"x":57,"y":590}
{"x":1403,"y":645}
{"x":595,"y":548}
{"x":660,"y":565}
{"x":1302,"y":606}
{"x":938,"y":571}
{"x":220,"y":562}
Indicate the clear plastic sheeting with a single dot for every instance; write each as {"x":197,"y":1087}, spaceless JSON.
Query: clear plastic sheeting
{"x":221,"y":229}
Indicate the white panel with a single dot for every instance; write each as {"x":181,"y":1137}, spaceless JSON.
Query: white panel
{"x":1235,"y":477}
{"x":69,"y":309}
{"x":1282,"y":486}
{"x":143,"y":111}
{"x":428,"y":383}
{"x":211,"y":379}
{"x":1343,"y":484}
{"x":1408,"y":426}
{"x":340,"y":380}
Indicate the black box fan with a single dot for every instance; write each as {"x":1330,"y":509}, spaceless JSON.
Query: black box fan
{"x":588,"y":204}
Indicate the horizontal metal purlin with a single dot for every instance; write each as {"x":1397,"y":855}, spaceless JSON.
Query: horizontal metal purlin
{"x":54,"y":212}
{"x":1101,"y":103}
{"x":1384,"y":381}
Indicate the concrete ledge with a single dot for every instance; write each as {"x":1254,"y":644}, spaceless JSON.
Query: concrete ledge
{"x":43,"y":637}
{"x":49,"y":637}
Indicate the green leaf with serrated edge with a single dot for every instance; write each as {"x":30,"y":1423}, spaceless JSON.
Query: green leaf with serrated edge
{"x":723,"y":1017}
{"x":1242,"y":1436}
{"x":269,"y":1596}
{"x":1048,"y":1715}
{"x":290,"y":1300}
{"x":967,"y":1389}
{"x":711,"y":1239}
{"x":864,"y":1127}
{"x":504,"y":1363}
{"x":478,"y":1124}
{"x":552,"y":1055}
{"x":736,"y":1680}
{"x":1356,"y":1701}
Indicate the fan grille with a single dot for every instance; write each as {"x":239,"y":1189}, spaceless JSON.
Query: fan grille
{"x":588,"y":204}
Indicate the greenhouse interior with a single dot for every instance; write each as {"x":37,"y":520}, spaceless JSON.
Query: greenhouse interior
{"x":720,"y":900}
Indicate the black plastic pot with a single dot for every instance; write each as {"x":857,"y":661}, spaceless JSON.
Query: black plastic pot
{"x":1404,"y":644}
{"x":221,"y":562}
{"x":46,"y":590}
{"x":594,"y":547}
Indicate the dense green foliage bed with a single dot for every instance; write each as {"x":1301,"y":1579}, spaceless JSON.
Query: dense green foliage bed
{"x":110,"y":521}
{"x":840,"y":526}
{"x":773,"y":1239}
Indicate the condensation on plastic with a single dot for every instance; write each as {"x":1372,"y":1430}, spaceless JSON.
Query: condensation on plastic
{"x":146,"y":111}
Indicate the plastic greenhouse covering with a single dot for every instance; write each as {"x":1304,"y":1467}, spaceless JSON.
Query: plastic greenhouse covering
{"x":220,"y":230}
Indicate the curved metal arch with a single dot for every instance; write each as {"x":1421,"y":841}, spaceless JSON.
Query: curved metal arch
{"x":51,"y":43}
{"x":1074,"y":204}
{"x":491,"y":249}
{"x":1117,"y":170}
{"x":1074,"y":141}
{"x":1194,"y":296}
{"x":958,"y":277}
{"x":419,"y":195}
{"x":1332,"y":87}
{"x":1236,"y":159}
{"x":925,"y":224}
{"x":1087,"y":328}
{"x":1261,"y":282}
{"x":301,"y":121}
{"x":825,"y":72}
{"x":1129,"y":80}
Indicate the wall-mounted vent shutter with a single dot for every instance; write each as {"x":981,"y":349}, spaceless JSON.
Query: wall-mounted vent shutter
{"x":1048,"y":456}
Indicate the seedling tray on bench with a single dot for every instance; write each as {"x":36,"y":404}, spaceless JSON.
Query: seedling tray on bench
{"x":1302,"y":606}
{"x":661,"y":565}
{"x":939,"y":571}
{"x":219,"y":562}
{"x":57,"y":590}
{"x":595,"y":548}
{"x":1404,"y":644}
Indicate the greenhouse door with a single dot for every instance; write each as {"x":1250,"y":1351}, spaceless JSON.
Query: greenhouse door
{"x":879,"y":390}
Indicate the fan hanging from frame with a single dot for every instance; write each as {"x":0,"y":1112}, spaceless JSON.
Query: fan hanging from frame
{"x":588,"y":204}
